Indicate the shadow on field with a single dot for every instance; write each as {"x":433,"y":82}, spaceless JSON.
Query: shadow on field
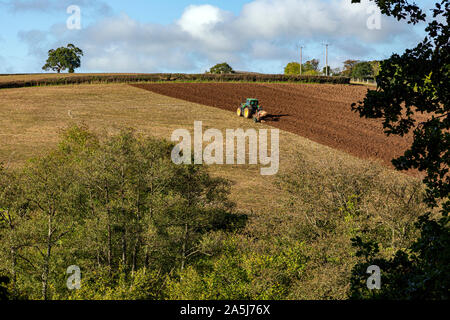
{"x":275,"y":117}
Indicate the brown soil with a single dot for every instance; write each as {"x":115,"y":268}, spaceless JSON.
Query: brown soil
{"x":319,"y":112}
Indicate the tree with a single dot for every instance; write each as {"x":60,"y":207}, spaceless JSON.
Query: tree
{"x":336,"y":71}
{"x":310,"y":68}
{"x":348,"y":67}
{"x":64,"y":58}
{"x":3,"y":288}
{"x":53,"y":190}
{"x":117,"y":207}
{"x":362,"y":70}
{"x":221,"y":68}
{"x":311,"y":65}
{"x":413,"y":83}
{"x":375,"y":67}
{"x":14,"y":216}
{"x":292,"y":68}
{"x":326,"y":70}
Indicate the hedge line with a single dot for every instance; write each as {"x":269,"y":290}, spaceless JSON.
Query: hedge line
{"x":166,"y":77}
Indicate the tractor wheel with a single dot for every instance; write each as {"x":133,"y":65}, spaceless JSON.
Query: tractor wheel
{"x":239,"y":112}
{"x":247,"y":113}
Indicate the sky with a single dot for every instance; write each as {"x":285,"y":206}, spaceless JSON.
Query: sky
{"x":190,"y":36}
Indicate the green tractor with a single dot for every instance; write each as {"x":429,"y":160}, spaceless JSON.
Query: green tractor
{"x":251,"y":109}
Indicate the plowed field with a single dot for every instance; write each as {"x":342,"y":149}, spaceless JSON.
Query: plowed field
{"x":321,"y":113}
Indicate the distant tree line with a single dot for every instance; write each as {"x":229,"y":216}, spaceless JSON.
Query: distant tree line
{"x":352,"y":69}
{"x":309,"y":68}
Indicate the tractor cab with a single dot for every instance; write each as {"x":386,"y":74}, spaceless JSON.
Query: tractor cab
{"x":254,"y":103}
{"x":249,"y":109}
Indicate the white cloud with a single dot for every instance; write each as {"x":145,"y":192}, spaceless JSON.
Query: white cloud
{"x":265,"y":30}
{"x":198,"y":21}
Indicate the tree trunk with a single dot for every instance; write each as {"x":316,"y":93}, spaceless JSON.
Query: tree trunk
{"x":184,"y":248}
{"x":13,"y":270}
{"x":109,"y":245}
{"x":124,"y":249}
{"x":147,"y":257}
{"x":47,"y":261}
{"x":98,"y":259}
{"x":109,"y":232}
{"x":135,"y":252}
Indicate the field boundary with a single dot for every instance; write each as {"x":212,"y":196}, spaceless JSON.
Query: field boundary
{"x":171,"y":77}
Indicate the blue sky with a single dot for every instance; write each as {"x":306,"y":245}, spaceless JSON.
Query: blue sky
{"x":193,"y":35}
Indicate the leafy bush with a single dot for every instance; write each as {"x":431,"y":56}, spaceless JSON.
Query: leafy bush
{"x":240,"y":274}
{"x":330,"y":203}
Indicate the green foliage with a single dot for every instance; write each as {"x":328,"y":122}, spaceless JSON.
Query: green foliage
{"x":292,"y":68}
{"x":311,"y":73}
{"x":237,"y":274}
{"x":101,"y":285}
{"x":221,"y":68}
{"x":118,"y":208}
{"x":376,"y":65}
{"x":4,"y":295}
{"x":64,"y":58}
{"x":400,"y":9}
{"x":326,"y":70}
{"x":412,"y":84}
{"x":348,"y":67}
{"x":311,"y":65}
{"x":421,"y":273}
{"x":231,"y":77}
{"x":310,"y":68}
{"x":328,"y":204}
{"x":362,"y":70}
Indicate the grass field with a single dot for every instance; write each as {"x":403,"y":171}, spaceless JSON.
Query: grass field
{"x":31,"y":119}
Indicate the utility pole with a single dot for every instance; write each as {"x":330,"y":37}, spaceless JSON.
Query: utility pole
{"x":301,"y":59}
{"x":300,"y":47}
{"x":326,"y":58}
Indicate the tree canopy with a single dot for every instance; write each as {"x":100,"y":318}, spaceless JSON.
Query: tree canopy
{"x":292,"y":68}
{"x":117,"y":206}
{"x":413,"y":97}
{"x":310,"y":67}
{"x":221,"y":68}
{"x":362,"y":70}
{"x":64,"y":58}
{"x":348,"y":67}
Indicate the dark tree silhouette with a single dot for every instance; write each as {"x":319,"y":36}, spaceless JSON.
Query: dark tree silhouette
{"x":413,"y":83}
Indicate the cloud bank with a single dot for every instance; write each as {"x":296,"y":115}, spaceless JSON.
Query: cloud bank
{"x":265,"y":32}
